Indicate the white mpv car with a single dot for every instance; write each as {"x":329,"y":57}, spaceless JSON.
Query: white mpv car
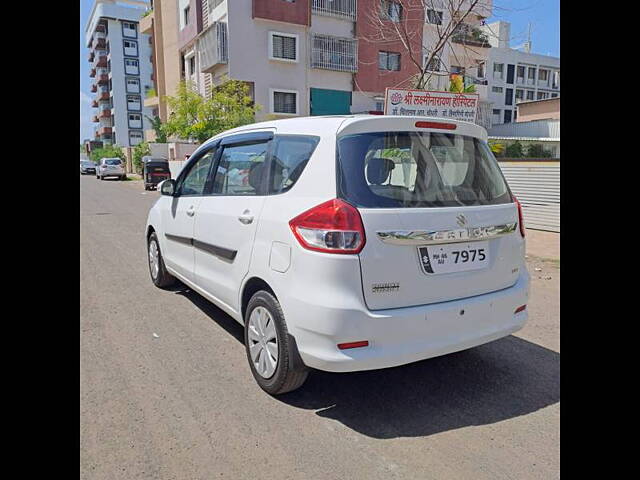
{"x":346,"y":243}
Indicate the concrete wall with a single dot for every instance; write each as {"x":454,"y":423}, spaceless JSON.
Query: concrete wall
{"x":540,"y":110}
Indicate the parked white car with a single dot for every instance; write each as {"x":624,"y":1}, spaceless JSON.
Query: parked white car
{"x":110,"y":167}
{"x":349,"y":242}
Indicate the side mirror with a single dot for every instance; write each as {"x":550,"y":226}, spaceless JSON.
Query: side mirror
{"x":168,"y":187}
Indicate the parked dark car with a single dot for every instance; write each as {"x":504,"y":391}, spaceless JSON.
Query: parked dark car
{"x":155,"y":170}
{"x":87,"y":167}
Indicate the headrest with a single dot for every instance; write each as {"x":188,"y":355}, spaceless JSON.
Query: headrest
{"x":255,"y":176}
{"x":378,"y":170}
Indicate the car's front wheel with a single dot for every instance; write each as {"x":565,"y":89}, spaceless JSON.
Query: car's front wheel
{"x":272,"y":352}
{"x":159,"y":275}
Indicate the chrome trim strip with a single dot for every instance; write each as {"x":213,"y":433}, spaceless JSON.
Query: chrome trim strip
{"x":424,"y":237}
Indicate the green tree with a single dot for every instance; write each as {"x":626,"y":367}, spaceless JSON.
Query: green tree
{"x":158,"y":127}
{"x":109,"y":151}
{"x":514,"y":150}
{"x":138,"y":152}
{"x":197,"y":118}
{"x":536,"y":150}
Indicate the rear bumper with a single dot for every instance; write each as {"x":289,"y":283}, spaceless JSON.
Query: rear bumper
{"x":112,"y":173}
{"x":404,"y":335}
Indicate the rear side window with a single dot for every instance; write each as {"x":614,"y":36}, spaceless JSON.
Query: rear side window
{"x":290,"y":156}
{"x":418,"y":169}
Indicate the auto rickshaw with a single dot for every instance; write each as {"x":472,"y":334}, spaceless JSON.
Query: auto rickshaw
{"x":155,"y":170}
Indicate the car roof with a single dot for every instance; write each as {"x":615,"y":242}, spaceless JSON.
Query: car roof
{"x":330,"y":125}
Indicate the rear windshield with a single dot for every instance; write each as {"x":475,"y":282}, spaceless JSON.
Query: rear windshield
{"x":112,"y":161}
{"x":418,"y":169}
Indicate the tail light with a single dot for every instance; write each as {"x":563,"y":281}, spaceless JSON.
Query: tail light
{"x":520,"y":217}
{"x":331,"y":227}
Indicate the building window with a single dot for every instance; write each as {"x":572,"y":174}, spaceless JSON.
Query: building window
{"x":520,"y":74}
{"x":543,"y":76}
{"x":185,"y":15}
{"x":542,"y":96}
{"x":284,"y":101}
{"x":391,"y":10}
{"x":135,"y":137}
{"x":135,"y":120}
{"x":388,"y":61}
{"x":379,"y":106}
{"x":481,"y":70}
{"x":554,"y":95}
{"x":496,"y":111}
{"x":283,"y":46}
{"x":530,"y":94}
{"x":556,"y":80}
{"x":515,"y":115}
{"x":531,"y":75}
{"x":192,"y":65}
{"x":508,"y":97}
{"x":456,"y":70}
{"x":496,"y":89}
{"x":334,"y":53}
{"x":133,"y":85}
{"x":519,"y":94}
{"x":129,"y":29}
{"x":498,"y":71}
{"x":434,"y":64}
{"x":130,"y":48}
{"x":507,"y":116}
{"x":133,"y":102}
{"x":434,"y":17}
{"x":131,"y":67}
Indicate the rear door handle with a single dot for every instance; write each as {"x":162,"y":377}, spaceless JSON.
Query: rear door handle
{"x":246,"y":218}
{"x":191,"y":211}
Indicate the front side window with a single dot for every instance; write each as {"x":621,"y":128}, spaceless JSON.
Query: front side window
{"x":388,"y":61}
{"x":193,"y":183}
{"x":241,"y":170}
{"x":418,"y":169}
{"x":290,"y":156}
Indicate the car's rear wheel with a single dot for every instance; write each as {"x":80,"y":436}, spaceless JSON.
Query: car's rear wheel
{"x":159,"y":275}
{"x":272,"y":352}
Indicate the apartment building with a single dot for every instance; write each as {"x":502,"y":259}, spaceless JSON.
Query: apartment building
{"x":517,"y":75}
{"x":120,"y":67}
{"x":307,"y":57}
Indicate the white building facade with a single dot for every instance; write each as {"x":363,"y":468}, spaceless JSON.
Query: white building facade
{"x":120,"y":66}
{"x":516,"y":75}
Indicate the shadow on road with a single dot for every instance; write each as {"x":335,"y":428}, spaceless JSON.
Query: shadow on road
{"x":503,"y":379}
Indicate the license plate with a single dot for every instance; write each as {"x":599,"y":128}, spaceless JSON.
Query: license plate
{"x":454,"y":257}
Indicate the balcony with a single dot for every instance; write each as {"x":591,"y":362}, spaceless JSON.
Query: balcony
{"x":103,"y":79}
{"x":146,"y":23}
{"x":95,"y":119}
{"x":94,"y":103}
{"x":101,"y":28}
{"x":345,"y":9}
{"x":104,"y":131}
{"x":105,"y":113}
{"x":92,"y":72}
{"x":212,"y":47}
{"x":334,"y":53}
{"x":151,"y":101}
{"x":101,"y":60}
{"x":94,"y":88}
{"x":103,"y":95}
{"x":91,"y":55}
{"x":99,"y":43}
{"x":468,"y":35}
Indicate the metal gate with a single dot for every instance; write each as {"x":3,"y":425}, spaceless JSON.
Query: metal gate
{"x":537,"y":187}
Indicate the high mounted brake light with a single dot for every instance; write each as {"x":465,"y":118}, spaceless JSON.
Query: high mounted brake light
{"x":441,"y":125}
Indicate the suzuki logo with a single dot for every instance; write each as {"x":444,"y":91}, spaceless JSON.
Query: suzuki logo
{"x":461,"y":219}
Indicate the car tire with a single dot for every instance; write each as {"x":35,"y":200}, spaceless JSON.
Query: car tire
{"x":162,"y":278}
{"x":123,"y":178}
{"x":290,"y":372}
{"x":146,"y":187}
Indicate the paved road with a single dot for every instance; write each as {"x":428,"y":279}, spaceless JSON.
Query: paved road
{"x":184,"y":405}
